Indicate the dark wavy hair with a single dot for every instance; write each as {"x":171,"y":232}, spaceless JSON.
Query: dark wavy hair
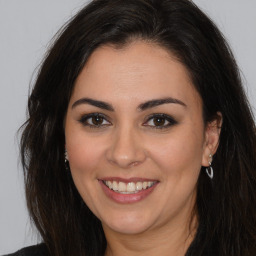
{"x":226,"y":205}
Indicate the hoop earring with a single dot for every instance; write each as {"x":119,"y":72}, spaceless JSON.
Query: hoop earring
{"x":209,"y":169}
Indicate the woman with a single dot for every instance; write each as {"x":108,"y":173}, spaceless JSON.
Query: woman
{"x":140,"y":140}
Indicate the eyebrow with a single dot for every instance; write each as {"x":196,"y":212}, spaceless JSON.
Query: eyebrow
{"x":96,"y":103}
{"x":143,"y":106}
{"x":158,"y":102}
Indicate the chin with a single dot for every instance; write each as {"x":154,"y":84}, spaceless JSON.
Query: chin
{"x":129,"y":229}
{"x":128,"y":224}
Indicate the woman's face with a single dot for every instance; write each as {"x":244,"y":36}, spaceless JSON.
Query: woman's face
{"x":135,"y":138}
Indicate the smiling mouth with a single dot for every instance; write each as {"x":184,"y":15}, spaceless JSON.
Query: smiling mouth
{"x":130,"y":187}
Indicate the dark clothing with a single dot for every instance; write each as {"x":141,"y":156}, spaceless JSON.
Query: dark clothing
{"x":35,"y":250}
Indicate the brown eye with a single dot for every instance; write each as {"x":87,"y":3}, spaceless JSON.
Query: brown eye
{"x":94,"y":120}
{"x":159,"y":121}
{"x":97,"y":120}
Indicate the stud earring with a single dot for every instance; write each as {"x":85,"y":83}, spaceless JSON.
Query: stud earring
{"x":209,"y":169}
{"x":66,"y":160}
{"x":66,"y":156}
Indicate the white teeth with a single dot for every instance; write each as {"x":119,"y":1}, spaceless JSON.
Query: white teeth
{"x":150,"y":183}
{"x":109,"y":184}
{"x":115,"y":186}
{"x":130,"y":187}
{"x":122,"y":187}
{"x":139,"y":186}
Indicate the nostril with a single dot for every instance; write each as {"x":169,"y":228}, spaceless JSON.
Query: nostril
{"x":134,"y":163}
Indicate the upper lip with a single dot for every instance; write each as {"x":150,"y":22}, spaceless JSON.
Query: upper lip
{"x":127,"y":180}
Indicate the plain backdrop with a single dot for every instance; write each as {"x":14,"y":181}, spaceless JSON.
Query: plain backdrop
{"x":26,"y":27}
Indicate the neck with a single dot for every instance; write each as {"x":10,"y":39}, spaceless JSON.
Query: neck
{"x":165,"y":241}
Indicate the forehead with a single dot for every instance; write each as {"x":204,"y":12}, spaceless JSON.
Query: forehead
{"x":139,"y":71}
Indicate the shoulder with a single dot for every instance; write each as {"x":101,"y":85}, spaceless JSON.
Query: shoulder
{"x":35,"y":250}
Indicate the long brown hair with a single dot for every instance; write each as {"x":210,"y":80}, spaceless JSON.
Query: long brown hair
{"x":226,"y":206}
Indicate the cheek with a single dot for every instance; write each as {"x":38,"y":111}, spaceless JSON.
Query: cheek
{"x":84,"y":157}
{"x":179,"y":159}
{"x":180,"y":153}
{"x":84,"y":151}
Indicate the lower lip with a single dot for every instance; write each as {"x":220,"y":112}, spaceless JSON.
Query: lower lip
{"x":127,"y":198}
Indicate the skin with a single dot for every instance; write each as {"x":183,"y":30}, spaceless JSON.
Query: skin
{"x":127,"y":145}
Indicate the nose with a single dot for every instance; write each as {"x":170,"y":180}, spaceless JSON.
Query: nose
{"x":126,"y":149}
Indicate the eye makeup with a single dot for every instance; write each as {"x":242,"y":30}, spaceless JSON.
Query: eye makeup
{"x":160,"y":121}
{"x":153,"y":121}
{"x":94,"y":120}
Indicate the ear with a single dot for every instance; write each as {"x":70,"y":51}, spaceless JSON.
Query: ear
{"x":212,"y":135}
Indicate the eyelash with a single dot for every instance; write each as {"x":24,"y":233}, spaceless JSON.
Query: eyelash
{"x":84,"y":121}
{"x":171,"y":121}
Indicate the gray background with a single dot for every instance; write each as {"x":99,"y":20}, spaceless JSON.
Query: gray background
{"x":26,"y":27}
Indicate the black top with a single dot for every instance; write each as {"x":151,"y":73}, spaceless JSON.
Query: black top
{"x":35,"y":250}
